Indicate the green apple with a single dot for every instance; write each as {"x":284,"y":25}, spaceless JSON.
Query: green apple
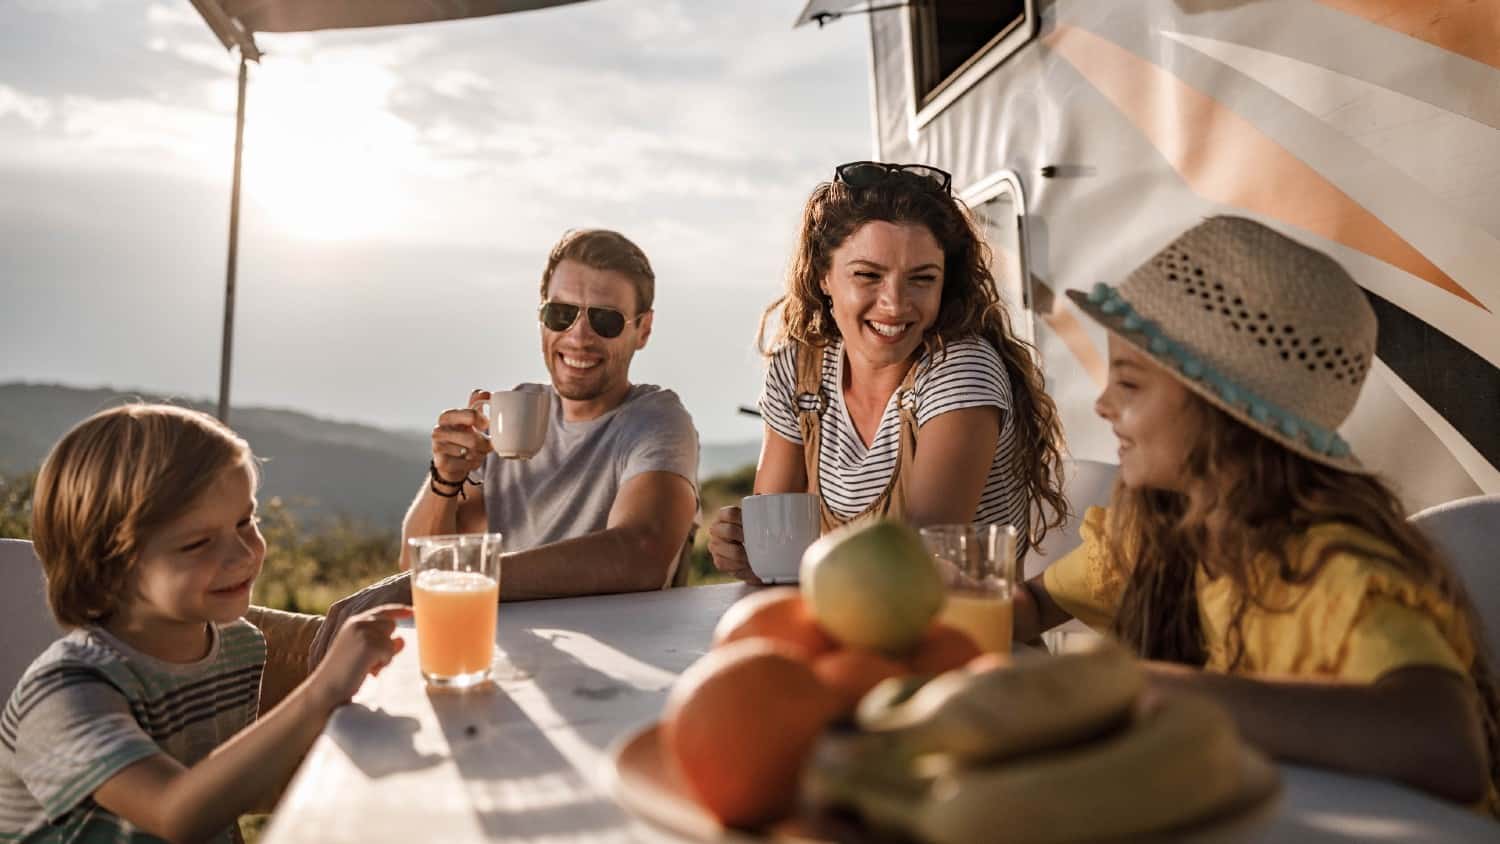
{"x":872,"y":585}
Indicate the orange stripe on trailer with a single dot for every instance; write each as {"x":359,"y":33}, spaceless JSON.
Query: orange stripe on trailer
{"x":1224,"y":158}
{"x":1469,"y":28}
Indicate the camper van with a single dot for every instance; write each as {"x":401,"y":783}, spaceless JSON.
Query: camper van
{"x":1085,"y":135}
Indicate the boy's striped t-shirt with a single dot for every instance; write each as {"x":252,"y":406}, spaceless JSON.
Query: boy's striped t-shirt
{"x":852,"y":475}
{"x":91,"y":705}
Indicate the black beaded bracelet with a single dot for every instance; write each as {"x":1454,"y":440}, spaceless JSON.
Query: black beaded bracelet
{"x":439,"y":493}
{"x":432,"y":470}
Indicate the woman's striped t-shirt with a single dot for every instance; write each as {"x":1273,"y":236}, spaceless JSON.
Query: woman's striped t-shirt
{"x":851,"y":476}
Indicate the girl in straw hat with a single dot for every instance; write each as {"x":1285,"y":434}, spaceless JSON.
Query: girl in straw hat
{"x":1244,"y":538}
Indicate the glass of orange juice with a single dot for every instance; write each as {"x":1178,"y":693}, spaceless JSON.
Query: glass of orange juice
{"x":455,"y":591}
{"x":978,"y":565}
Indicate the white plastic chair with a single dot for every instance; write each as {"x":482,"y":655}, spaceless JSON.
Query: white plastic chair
{"x":26,"y":625}
{"x":1467,"y":533}
{"x":1086,"y":483}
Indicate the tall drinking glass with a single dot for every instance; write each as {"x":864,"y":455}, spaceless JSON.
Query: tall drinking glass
{"x":978,"y":565}
{"x":455,"y":591}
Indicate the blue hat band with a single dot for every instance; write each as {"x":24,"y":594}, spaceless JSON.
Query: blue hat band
{"x":1265,"y":413}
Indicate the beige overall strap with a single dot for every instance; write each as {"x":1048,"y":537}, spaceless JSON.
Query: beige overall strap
{"x":810,"y":402}
{"x":893,"y":502}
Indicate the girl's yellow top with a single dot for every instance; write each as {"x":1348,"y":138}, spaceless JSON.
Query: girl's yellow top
{"x":1359,"y":618}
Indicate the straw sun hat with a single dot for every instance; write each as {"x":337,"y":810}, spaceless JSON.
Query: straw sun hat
{"x":1272,"y":332}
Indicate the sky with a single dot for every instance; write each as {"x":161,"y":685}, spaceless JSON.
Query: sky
{"x":402,"y":187}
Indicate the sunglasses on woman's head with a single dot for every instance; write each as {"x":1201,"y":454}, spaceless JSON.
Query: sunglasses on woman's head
{"x":560,"y":316}
{"x":863,"y":174}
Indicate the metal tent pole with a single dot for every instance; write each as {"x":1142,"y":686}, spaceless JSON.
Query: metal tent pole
{"x":234,"y":246}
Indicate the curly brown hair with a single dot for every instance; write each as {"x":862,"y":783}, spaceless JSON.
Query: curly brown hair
{"x":971,"y":307}
{"x":107,"y":484}
{"x":1247,"y":500}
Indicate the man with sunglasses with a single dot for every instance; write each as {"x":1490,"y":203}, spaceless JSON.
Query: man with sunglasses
{"x":607,"y":504}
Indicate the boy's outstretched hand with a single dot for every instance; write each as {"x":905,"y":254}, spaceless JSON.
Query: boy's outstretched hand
{"x":395,"y":589}
{"x":363,"y":646}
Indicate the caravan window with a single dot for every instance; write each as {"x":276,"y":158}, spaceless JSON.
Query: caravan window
{"x":1000,"y":209}
{"x":956,"y":42}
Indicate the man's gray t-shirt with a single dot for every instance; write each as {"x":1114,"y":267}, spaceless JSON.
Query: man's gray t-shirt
{"x":566,"y":490}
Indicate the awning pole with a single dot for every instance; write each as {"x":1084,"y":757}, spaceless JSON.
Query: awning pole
{"x":234,"y":246}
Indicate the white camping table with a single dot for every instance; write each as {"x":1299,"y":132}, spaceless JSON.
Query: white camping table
{"x":528,"y":761}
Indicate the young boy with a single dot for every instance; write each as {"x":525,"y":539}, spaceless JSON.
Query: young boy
{"x":141,"y":722}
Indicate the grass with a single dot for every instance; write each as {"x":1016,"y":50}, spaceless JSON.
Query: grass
{"x":714,"y":493}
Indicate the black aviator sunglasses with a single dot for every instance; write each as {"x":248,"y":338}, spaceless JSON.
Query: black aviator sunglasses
{"x":863,"y":174}
{"x":606,"y":322}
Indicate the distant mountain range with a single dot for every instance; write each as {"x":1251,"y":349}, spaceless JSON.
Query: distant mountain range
{"x":319,"y":467}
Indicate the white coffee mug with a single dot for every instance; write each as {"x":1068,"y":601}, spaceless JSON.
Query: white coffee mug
{"x":778,"y":528}
{"x":518,"y":421}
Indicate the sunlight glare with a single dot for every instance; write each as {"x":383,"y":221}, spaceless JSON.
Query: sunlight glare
{"x":323,"y":154}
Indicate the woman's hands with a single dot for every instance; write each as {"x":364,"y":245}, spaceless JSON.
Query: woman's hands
{"x":726,"y":542}
{"x":460,"y":439}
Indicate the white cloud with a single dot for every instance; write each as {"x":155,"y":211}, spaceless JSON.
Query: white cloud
{"x":31,"y":110}
{"x":365,"y":134}
{"x":462,"y":83}
{"x":158,"y":134}
{"x":205,"y":54}
{"x":63,"y":7}
{"x":775,"y":54}
{"x":385,"y":48}
{"x":664,"y":22}
{"x":175,"y":14}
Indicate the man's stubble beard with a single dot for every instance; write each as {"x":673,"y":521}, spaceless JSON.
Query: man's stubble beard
{"x":587,"y":391}
{"x":579,"y":394}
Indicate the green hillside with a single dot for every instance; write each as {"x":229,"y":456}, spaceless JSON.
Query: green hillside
{"x":333,"y":493}
{"x":322,"y":469}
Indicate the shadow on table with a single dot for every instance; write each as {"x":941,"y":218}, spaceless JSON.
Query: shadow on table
{"x":373,"y":756}
{"x":667,"y":630}
{"x":530,"y":751}
{"x":517,"y":782}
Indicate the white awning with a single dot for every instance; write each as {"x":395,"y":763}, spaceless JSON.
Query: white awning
{"x":236,"y":21}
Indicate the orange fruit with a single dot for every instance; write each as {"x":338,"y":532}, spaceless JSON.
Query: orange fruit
{"x":943,"y":648}
{"x":777,"y":613}
{"x":740,"y":723}
{"x":851,"y":672}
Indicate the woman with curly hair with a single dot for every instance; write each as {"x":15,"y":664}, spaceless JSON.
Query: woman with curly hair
{"x":896,"y":386}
